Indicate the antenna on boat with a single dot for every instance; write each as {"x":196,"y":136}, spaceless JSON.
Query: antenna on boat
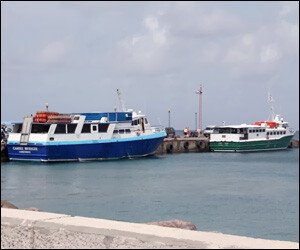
{"x":121,"y":106}
{"x":271,"y":101}
{"x":47,"y":105}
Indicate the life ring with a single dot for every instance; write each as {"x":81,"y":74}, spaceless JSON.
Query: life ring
{"x":186,"y":146}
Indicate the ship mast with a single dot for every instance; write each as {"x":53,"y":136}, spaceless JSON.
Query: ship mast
{"x":120,"y":105}
{"x":271,"y":101}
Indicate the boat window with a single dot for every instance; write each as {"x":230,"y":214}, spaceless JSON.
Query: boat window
{"x":17,"y":128}
{"x":233,"y":130}
{"x":224,"y":130}
{"x":121,"y":131}
{"x":116,"y":131}
{"x":135,"y":122}
{"x":263,"y":130}
{"x":284,"y":132}
{"x":102,"y":127}
{"x":86,"y":128}
{"x":94,"y":127}
{"x":40,"y":128}
{"x":250,"y":131}
{"x":76,"y":118}
{"x":146,"y":121}
{"x":243,"y":130}
{"x":71,"y":128}
{"x":267,"y":133}
{"x":60,"y":129}
{"x":127,"y":131}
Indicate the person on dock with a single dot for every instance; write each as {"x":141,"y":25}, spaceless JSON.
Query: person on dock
{"x":188,"y":132}
{"x":185,"y":132}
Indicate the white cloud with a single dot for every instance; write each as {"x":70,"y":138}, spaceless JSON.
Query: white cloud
{"x":158,"y":33}
{"x":242,"y":50}
{"x":197,"y":22}
{"x":269,"y":54}
{"x":288,"y":33}
{"x":288,"y":8}
{"x":151,"y":23}
{"x":53,"y":52}
{"x":144,"y":51}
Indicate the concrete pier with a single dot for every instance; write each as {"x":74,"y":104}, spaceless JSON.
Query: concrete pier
{"x":183,"y":145}
{"x":40,"y":230}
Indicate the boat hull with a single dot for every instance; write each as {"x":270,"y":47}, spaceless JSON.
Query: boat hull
{"x":253,"y":145}
{"x":91,"y":150}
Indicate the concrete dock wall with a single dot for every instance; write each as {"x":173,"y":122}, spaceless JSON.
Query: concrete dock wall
{"x":183,"y":145}
{"x":29,"y":229}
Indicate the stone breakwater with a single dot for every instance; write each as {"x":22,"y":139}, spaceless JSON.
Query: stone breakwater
{"x":39,"y":230}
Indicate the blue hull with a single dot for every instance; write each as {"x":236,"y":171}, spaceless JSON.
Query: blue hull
{"x":84,"y":151}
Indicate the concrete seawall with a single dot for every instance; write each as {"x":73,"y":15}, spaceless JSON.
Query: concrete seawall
{"x":29,"y":229}
{"x":183,"y":145}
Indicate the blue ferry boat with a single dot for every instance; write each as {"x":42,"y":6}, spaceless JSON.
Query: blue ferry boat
{"x":50,"y":136}
{"x":83,"y":136}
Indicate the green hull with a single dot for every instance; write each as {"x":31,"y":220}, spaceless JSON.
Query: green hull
{"x":245,"y":146}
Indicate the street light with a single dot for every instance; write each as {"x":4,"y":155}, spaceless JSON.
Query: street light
{"x":169,"y":118}
{"x":196,"y":121}
{"x":199,"y":92}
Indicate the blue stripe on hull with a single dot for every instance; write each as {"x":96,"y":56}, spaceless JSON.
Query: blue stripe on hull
{"x":109,"y":150}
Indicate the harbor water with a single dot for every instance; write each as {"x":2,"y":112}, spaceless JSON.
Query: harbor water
{"x":246,"y":194}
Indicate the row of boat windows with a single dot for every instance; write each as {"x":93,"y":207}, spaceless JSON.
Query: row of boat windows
{"x":257,"y":130}
{"x":230,"y":130}
{"x":139,"y":121}
{"x":122,"y":131}
{"x":63,"y":128}
{"x":243,"y":130}
{"x":276,"y":133}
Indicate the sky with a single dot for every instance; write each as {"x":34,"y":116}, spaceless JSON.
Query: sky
{"x":75,"y":55}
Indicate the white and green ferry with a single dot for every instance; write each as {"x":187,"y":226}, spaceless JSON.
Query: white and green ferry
{"x":263,"y":135}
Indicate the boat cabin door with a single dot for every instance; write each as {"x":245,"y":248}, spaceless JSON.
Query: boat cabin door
{"x":26,"y":127}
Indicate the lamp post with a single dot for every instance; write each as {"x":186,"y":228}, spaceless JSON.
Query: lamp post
{"x":169,"y":117}
{"x":196,"y":121}
{"x":199,"y":92}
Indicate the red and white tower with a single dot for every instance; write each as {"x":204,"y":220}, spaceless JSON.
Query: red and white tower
{"x":199,"y":92}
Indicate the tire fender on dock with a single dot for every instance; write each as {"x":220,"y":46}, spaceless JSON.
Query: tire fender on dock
{"x":170,"y":148}
{"x":200,"y":145}
{"x":186,"y":145}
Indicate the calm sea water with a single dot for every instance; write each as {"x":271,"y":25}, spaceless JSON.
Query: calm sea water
{"x":249,"y":194}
